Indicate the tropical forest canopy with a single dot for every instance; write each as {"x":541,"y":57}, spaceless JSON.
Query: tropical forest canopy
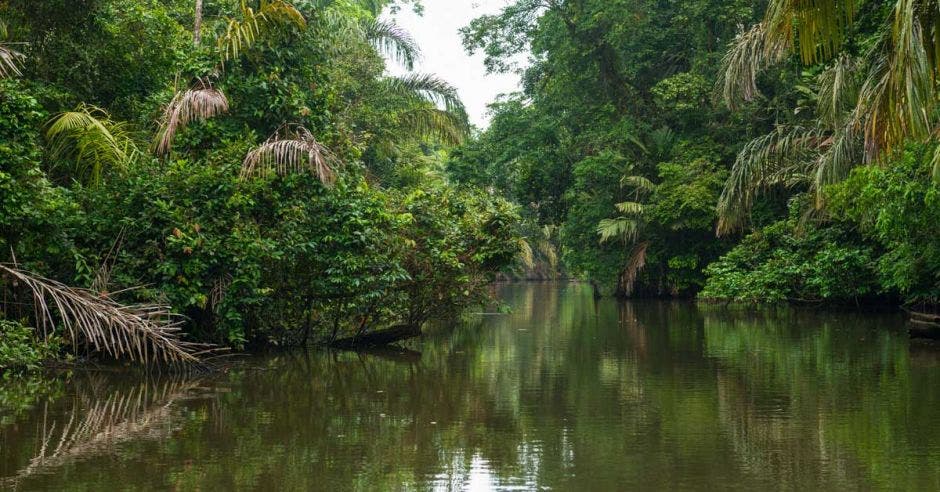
{"x":246,"y":172}
{"x":740,"y":150}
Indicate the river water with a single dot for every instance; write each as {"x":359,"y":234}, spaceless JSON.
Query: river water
{"x":562,"y":393}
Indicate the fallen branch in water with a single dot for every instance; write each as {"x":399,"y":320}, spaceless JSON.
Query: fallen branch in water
{"x":142,"y":333}
{"x":378,"y":338}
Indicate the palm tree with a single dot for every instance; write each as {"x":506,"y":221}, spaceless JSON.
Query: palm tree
{"x":868,"y":105}
{"x":627,"y":228}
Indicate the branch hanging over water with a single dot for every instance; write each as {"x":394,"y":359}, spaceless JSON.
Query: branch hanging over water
{"x":142,"y":333}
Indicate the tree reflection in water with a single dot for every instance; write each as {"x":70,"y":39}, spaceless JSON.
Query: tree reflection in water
{"x":562,"y":393}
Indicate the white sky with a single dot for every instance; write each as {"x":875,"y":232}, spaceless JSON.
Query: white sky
{"x":444,"y":56}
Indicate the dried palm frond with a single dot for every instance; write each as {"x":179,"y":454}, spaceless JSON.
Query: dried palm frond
{"x":143,"y":333}
{"x":294,"y":151}
{"x":393,"y":41}
{"x":101,"y":418}
{"x":199,"y":103}
{"x":241,"y":34}
{"x":635,"y":263}
{"x":10,"y":59}
{"x":218,"y":292}
{"x":92,"y":141}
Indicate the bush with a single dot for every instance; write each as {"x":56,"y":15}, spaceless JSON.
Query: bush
{"x":792,"y":261}
{"x":898,"y":207}
{"x":22,"y":350}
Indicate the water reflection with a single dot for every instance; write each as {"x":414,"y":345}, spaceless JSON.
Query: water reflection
{"x":563,"y":393}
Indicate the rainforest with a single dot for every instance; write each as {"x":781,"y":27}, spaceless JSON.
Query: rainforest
{"x":244,"y":194}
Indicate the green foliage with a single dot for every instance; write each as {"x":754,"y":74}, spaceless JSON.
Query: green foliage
{"x":222,"y":227}
{"x":896,"y":206}
{"x":790,"y":260}
{"x":21,"y":349}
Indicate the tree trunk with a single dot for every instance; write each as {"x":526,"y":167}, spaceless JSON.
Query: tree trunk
{"x":197,"y":28}
{"x":379,"y":338}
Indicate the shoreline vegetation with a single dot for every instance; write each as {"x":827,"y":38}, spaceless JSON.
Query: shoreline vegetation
{"x":182,"y":178}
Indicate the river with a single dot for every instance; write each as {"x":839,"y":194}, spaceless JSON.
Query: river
{"x":561,"y":393}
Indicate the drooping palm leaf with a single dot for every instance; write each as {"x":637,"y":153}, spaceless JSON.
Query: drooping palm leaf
{"x":10,"y":58}
{"x":897,"y":102}
{"x":635,"y":263}
{"x":393,"y":41}
{"x":199,"y":103}
{"x":90,"y":140}
{"x":817,"y":27}
{"x":144,"y":333}
{"x":429,"y":88}
{"x":10,"y":61}
{"x":433,"y":123}
{"x":620,"y":228}
{"x":784,"y":156}
{"x":289,"y":151}
{"x":630,"y":208}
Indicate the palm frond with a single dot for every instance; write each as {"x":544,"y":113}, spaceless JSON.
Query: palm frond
{"x":429,"y":88}
{"x":91,"y":140}
{"x":750,"y":53}
{"x":198,"y":103}
{"x":818,"y":27}
{"x":630,"y":208}
{"x":392,"y":41}
{"x":548,"y":251}
{"x":10,"y":59}
{"x":839,"y":87}
{"x":637,"y":183}
{"x":619,"y":228}
{"x":241,"y":34}
{"x":526,"y":255}
{"x":935,"y":164}
{"x":433,"y":123}
{"x":635,"y":263}
{"x":143,"y":333}
{"x":780,"y":157}
{"x":294,"y":151}
{"x":843,"y":154}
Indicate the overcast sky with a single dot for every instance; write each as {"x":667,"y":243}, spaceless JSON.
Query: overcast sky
{"x":443,"y":53}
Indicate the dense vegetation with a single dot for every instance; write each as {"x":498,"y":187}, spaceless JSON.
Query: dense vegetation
{"x":245,"y":165}
{"x":246,"y":173}
{"x":643,"y":128}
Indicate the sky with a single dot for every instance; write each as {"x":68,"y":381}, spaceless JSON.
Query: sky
{"x":443,"y":53}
